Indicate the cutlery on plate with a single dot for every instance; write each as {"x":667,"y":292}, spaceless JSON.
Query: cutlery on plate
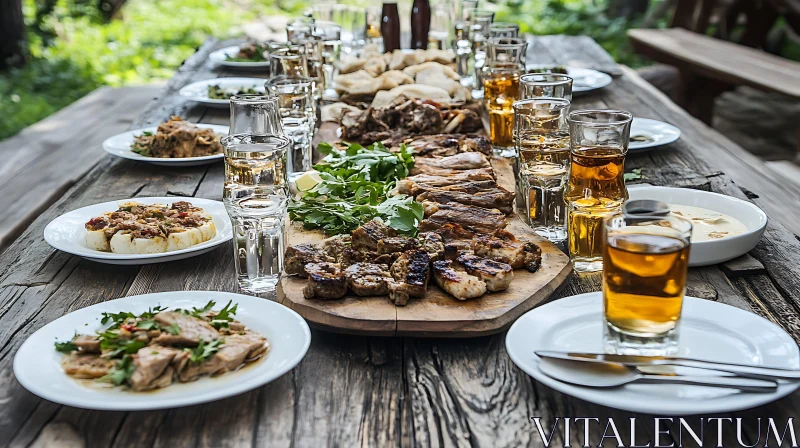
{"x":742,"y":370}
{"x":608,"y":374}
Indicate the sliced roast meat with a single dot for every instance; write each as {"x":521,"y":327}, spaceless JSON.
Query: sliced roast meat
{"x":504,"y":246}
{"x":235,"y":350}
{"x":476,"y":219}
{"x":87,"y":343}
{"x":368,"y":235}
{"x":411,"y":274}
{"x":86,"y":366}
{"x":485,"y":194}
{"x":463,"y":161}
{"x":299,"y":255}
{"x":191,"y":330}
{"x":150,"y":365}
{"x":325,"y":281}
{"x":495,"y":274}
{"x":368,"y":279}
{"x":454,"y":280}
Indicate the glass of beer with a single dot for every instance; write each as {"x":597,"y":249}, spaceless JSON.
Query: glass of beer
{"x":645,"y":261}
{"x":505,"y":64}
{"x":536,"y":85}
{"x":596,"y":186}
{"x":541,"y":137}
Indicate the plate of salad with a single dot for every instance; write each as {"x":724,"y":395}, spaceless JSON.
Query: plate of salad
{"x":249,"y":55}
{"x":352,"y":185}
{"x":217,"y":92}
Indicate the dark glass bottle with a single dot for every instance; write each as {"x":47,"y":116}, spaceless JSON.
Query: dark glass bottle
{"x":390,"y":27}
{"x":420,"y":23}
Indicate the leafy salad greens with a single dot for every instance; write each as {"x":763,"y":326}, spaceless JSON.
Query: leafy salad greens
{"x":354,"y":189}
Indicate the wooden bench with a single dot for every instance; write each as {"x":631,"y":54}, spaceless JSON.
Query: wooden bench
{"x":710,"y":66}
{"x":47,"y":158}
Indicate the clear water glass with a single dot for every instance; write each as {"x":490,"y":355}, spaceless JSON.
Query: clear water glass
{"x":295,"y":102}
{"x":256,"y":196}
{"x":541,"y":138}
{"x":503,"y":29}
{"x":550,"y":85}
{"x":288,"y":60}
{"x":255,"y":114}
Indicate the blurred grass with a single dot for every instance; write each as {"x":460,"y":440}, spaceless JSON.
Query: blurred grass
{"x":72,"y":51}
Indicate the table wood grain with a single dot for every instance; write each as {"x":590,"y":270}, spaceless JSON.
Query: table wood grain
{"x":366,"y":391}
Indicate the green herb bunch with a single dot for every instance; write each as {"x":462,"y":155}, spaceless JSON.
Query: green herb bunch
{"x":355,"y":187}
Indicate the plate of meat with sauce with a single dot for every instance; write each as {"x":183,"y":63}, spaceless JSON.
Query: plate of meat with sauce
{"x":469,"y":267}
{"x":173,"y":143}
{"x":161,"y":350}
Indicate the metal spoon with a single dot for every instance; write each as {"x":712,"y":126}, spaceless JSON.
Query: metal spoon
{"x":606,"y":374}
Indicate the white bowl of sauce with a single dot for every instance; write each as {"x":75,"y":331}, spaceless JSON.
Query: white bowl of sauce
{"x":723,"y":227}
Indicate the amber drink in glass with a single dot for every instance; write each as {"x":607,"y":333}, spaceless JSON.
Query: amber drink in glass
{"x":645,"y":261}
{"x":596,"y":186}
{"x":505,"y":64}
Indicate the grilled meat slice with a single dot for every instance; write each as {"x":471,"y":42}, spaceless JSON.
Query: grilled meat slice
{"x":86,"y":366}
{"x":396,"y":244}
{"x":414,"y":184}
{"x":297,"y":256}
{"x":411,"y":274}
{"x":463,"y":161}
{"x":432,"y":243}
{"x":448,"y":144}
{"x":476,"y":219}
{"x":368,"y":235}
{"x":497,"y":275}
{"x":235,"y":351}
{"x":454,"y":280}
{"x":152,"y":367}
{"x":368,"y":279}
{"x":335,"y":246}
{"x":486,"y":194}
{"x":455,"y":238}
{"x":505,"y":247}
{"x":87,"y":343}
{"x":325,"y":281}
{"x":192,"y":330}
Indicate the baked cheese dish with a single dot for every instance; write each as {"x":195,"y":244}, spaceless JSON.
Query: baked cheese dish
{"x":146,"y":229}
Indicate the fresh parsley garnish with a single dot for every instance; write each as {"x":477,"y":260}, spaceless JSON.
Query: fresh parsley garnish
{"x":203,"y":350}
{"x":66,"y":347}
{"x":173,"y":329}
{"x":354,"y":188}
{"x":201,"y":313}
{"x":121,"y":371}
{"x":634,"y":174}
{"x":224,"y":316}
{"x":112,"y":345}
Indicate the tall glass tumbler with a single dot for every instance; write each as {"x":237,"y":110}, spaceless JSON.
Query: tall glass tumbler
{"x":645,"y":262}
{"x":256,"y":196}
{"x":256,"y":115}
{"x":295,"y":102}
{"x":503,"y":29}
{"x":504,"y":66}
{"x":288,"y":60}
{"x":596,"y":187}
{"x":541,"y":137}
{"x":551,"y":85}
{"x":480,"y":20}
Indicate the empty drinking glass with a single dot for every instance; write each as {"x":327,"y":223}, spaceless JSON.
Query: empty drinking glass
{"x":288,"y":60}
{"x":548,"y":85}
{"x":503,"y":29}
{"x":255,"y":114}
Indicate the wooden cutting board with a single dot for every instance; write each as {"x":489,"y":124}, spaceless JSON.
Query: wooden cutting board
{"x":438,"y":314}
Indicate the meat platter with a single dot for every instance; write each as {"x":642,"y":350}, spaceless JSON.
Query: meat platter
{"x":437,"y":313}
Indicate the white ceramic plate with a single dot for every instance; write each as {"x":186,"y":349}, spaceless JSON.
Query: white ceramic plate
{"x":120,"y":146}
{"x":709,"y":330}
{"x":583,"y":79}
{"x":712,"y":252}
{"x":659,"y":132}
{"x":67,"y":232}
{"x":221,"y":57}
{"x":37,"y":365}
{"x":198,"y":91}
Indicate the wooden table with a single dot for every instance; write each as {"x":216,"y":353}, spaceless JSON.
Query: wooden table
{"x":359,"y":391}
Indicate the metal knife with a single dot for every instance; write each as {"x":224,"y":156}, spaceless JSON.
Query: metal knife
{"x":748,"y":371}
